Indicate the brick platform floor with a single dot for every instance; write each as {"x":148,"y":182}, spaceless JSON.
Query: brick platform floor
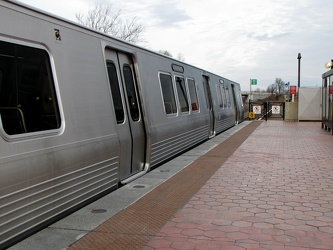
{"x":271,"y":190}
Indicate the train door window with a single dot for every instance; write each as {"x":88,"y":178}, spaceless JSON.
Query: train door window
{"x":219,"y":95}
{"x":225,"y":100}
{"x":168,"y":93}
{"x":207,"y":93}
{"x":115,"y":92}
{"x":193,"y":94}
{"x":182,"y":94}
{"x":131,"y":93}
{"x":28,"y":101}
{"x":0,"y":80}
{"x":222,"y":95}
{"x":228,"y":96}
{"x":240,"y":99}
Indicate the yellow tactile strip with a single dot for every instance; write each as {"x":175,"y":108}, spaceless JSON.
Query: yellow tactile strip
{"x":133,"y":227}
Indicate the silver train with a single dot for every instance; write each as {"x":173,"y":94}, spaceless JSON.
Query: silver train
{"x":82,"y":113}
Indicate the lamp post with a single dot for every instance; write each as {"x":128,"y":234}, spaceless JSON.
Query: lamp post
{"x":299,"y":70}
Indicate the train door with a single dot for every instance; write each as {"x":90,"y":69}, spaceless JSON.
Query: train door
{"x":128,"y":113}
{"x":234,"y":95}
{"x":209,"y":103}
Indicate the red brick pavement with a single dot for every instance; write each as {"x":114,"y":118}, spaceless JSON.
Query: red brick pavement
{"x":134,"y":226}
{"x":274,"y":192}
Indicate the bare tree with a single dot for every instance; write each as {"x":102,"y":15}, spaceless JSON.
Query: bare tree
{"x":271,"y":89}
{"x":101,"y":18}
{"x":279,"y":85}
{"x":165,"y":52}
{"x":179,"y":57}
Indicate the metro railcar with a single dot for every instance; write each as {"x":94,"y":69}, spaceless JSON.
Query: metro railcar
{"x":82,"y":113}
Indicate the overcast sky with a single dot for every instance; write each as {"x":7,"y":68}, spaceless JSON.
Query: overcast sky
{"x":237,"y":39}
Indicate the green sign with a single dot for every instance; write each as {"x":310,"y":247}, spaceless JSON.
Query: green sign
{"x":253,"y":81}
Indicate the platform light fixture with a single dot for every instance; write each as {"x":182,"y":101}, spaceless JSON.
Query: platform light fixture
{"x":329,"y":65}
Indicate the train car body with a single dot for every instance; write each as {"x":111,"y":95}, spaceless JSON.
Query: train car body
{"x":82,"y":112}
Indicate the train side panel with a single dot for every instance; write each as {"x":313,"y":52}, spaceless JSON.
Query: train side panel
{"x":226,"y":103}
{"x":173,"y":126}
{"x":46,"y":171}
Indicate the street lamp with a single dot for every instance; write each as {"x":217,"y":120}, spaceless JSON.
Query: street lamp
{"x":299,"y":70}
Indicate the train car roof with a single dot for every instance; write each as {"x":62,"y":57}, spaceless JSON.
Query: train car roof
{"x":107,"y":36}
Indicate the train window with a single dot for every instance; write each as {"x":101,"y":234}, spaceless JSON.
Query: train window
{"x":228,"y":97}
{"x":193,"y":95}
{"x":168,"y":94}
{"x":0,"y":80}
{"x":115,"y":92}
{"x":224,"y":96}
{"x":208,"y":96}
{"x":28,"y":101}
{"x":182,"y":94}
{"x":219,"y":95}
{"x":131,"y":93}
{"x":240,"y":97}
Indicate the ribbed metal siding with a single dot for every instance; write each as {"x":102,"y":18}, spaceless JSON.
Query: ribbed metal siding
{"x":165,"y":149}
{"x":41,"y":202}
{"x":222,"y":125}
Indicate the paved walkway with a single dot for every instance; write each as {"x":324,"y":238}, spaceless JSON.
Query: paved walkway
{"x":274,"y":192}
{"x":269,"y":186}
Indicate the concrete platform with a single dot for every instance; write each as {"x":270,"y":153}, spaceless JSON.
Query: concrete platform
{"x":260,"y":185}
